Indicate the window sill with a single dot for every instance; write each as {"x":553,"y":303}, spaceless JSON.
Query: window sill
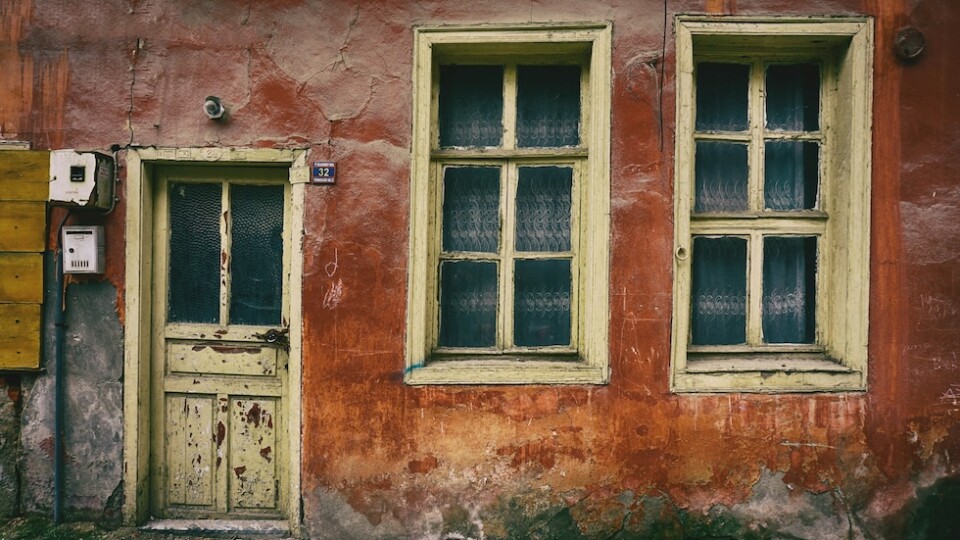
{"x":474,"y":371}
{"x":767,"y":375}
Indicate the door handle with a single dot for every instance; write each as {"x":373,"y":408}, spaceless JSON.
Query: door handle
{"x":276,"y":336}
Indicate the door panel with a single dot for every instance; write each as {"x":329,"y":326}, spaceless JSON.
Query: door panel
{"x":254,"y":438}
{"x":220,"y":347}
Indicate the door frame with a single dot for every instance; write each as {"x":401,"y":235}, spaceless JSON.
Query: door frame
{"x":141,"y":165}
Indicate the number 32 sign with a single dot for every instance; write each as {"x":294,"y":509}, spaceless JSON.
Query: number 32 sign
{"x":324,"y":172}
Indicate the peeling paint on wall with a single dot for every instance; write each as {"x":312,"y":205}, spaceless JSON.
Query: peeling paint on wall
{"x":384,"y":460}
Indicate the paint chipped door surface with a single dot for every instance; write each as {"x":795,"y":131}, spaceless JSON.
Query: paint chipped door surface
{"x":220,"y":344}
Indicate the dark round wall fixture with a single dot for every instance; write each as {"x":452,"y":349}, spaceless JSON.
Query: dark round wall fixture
{"x":909,"y":43}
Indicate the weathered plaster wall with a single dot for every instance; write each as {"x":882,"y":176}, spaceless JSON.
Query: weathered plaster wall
{"x":381,"y":459}
{"x":92,"y":405}
{"x":9,"y":445}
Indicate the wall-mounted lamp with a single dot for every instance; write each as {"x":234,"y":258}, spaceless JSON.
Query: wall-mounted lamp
{"x":213,"y":107}
{"x":908,"y":44}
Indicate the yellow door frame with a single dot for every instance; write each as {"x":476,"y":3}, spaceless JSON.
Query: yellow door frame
{"x":138,"y":301}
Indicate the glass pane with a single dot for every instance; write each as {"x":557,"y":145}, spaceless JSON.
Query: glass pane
{"x":548,"y":106}
{"x":194,"y":288}
{"x":793,"y":97}
{"x":721,"y":177}
{"x":541,"y":304}
{"x":722,"y":96}
{"x":543,"y":208}
{"x":471,"y":209}
{"x":789,"y":289}
{"x":468,"y":304}
{"x":257,"y":254}
{"x":719,"y":315}
{"x":471,"y":105}
{"x":791,"y":175}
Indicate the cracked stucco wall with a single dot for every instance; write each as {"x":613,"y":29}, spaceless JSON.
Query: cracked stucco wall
{"x":627,"y":460}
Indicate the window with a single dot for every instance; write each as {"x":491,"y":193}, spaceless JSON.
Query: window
{"x":772,"y":205}
{"x":509,"y":206}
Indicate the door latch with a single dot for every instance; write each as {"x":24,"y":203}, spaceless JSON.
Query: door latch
{"x":278,"y":337}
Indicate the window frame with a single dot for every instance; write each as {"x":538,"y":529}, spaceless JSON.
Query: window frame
{"x":838,"y":360}
{"x":586,"y":360}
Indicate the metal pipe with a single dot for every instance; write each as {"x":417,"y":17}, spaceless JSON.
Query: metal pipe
{"x":59,"y":322}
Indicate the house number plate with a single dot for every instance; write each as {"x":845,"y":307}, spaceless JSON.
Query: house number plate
{"x":324,"y":172}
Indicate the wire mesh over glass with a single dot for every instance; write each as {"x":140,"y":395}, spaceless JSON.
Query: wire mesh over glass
{"x":256,"y":289}
{"x":789,"y":289}
{"x":471,"y":209}
{"x":541,"y":302}
{"x":719,"y":315}
{"x":194,"y":259}
{"x":721,"y":177}
{"x":471,"y":106}
{"x":548,"y":106}
{"x":791,"y":175}
{"x":468,"y":304}
{"x":722,"y":96}
{"x":543,"y":208}
{"x":793,"y":97}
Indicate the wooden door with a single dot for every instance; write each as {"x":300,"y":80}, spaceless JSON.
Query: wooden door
{"x":220,"y":324}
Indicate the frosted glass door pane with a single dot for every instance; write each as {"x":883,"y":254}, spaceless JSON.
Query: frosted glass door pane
{"x":468,"y":304}
{"x":791,"y":175}
{"x":789,"y":289}
{"x":471,"y":209}
{"x":543,"y":209}
{"x":542,"y":303}
{"x":722,"y":96}
{"x":719,"y":314}
{"x":721,"y":177}
{"x":194,"y":272}
{"x":793,"y":97}
{"x":471,"y":106}
{"x":256,"y":289}
{"x":548,"y":106}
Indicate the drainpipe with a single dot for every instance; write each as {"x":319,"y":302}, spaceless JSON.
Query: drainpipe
{"x":59,"y":322}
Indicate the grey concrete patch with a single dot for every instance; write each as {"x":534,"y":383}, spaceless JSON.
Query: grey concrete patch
{"x":93,"y":404}
{"x":9,"y":452}
{"x":332,"y":518}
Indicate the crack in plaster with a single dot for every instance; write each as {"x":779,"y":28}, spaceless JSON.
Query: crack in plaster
{"x":133,"y":81}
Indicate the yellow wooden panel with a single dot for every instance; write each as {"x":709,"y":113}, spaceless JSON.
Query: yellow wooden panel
{"x":19,"y":336}
{"x":24,"y":175}
{"x":21,"y":278}
{"x":253,"y":454}
{"x":22,"y":225}
{"x":190,"y":450}
{"x":222,"y":359}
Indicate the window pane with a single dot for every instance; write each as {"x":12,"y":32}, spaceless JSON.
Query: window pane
{"x":468,"y":304}
{"x":722,"y":96}
{"x":719,"y":315}
{"x":194,"y":288}
{"x":471,"y":105}
{"x":543,"y":208}
{"x":793,"y":97}
{"x":471,"y":209}
{"x":548,"y":106}
{"x":791,"y":175}
{"x":541,"y":306}
{"x":721,"y":177}
{"x":256,"y":287}
{"x":789,"y":289}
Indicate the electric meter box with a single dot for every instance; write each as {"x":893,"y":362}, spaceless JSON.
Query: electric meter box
{"x":83,"y":249}
{"x":81,"y":179}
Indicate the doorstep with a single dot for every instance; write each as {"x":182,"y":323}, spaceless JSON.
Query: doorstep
{"x":221,"y":528}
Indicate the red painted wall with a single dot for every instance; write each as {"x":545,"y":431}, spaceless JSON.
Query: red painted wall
{"x":335,"y":77}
